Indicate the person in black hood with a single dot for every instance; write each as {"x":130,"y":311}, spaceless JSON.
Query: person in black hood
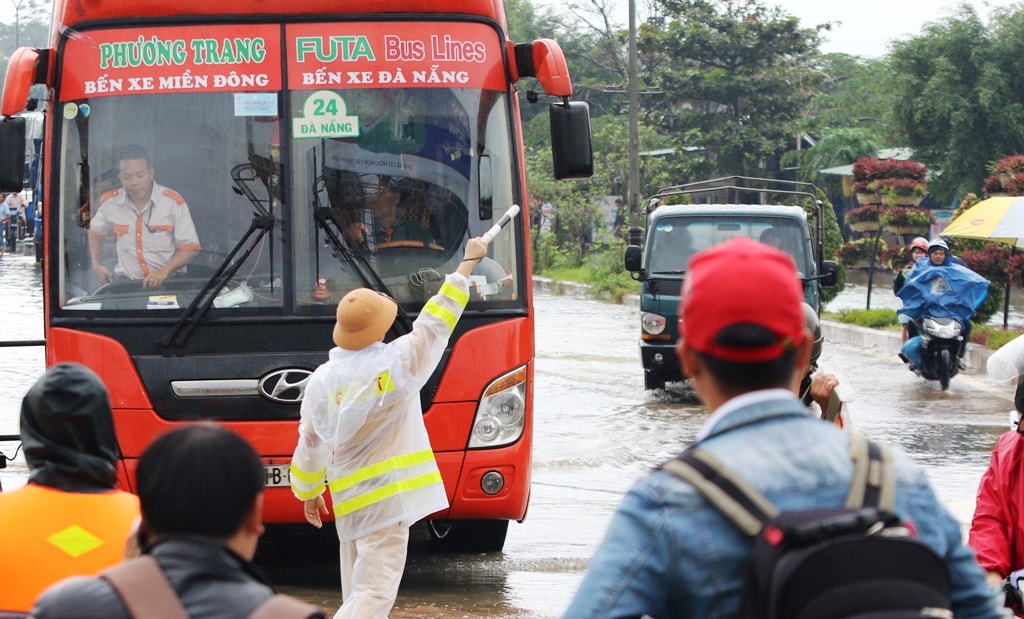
{"x":67,"y":431}
{"x":201,"y":490}
{"x":69,"y":519}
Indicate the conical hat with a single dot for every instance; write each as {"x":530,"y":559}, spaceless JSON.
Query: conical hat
{"x":364,"y":317}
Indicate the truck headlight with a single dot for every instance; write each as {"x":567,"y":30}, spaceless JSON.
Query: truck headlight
{"x":501,"y":414}
{"x":652,"y":323}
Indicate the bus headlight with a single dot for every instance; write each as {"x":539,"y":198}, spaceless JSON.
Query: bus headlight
{"x":501,"y":414}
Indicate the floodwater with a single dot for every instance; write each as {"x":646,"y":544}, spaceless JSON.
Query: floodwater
{"x":597,"y":430}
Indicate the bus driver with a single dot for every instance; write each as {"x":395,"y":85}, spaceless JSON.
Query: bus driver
{"x":150,"y":225}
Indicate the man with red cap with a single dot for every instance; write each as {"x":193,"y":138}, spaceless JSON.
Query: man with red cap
{"x":670,"y":553}
{"x":361,"y":434}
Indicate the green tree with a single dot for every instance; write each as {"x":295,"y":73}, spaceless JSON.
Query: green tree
{"x":959,"y":101}
{"x":852,"y":95}
{"x":735,"y":78}
{"x":32,"y":29}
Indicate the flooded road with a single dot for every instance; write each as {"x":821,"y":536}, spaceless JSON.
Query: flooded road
{"x":597,"y":430}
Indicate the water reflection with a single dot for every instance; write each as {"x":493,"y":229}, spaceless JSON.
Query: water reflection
{"x":21,"y":287}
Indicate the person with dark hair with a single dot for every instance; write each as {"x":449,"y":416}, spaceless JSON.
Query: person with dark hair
{"x":149,"y":224}
{"x":362,"y":436}
{"x":201,"y":491}
{"x":395,"y":212}
{"x":69,"y":519}
{"x":997,"y":528}
{"x":619,"y":219}
{"x":667,"y":551}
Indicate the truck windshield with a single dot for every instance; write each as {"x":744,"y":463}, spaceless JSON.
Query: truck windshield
{"x":675,"y":239}
{"x":268,"y":190}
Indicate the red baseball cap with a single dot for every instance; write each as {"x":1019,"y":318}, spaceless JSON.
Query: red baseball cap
{"x":741,"y":281}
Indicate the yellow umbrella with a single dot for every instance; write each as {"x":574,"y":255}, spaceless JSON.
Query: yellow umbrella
{"x":994,"y":219}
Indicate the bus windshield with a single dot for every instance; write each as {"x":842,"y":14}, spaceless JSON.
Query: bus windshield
{"x":263,"y":189}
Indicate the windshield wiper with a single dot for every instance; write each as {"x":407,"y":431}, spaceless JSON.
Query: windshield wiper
{"x":261,"y":224}
{"x":329,"y":222}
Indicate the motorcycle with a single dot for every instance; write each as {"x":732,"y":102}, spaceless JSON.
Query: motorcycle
{"x":934,"y":353}
{"x":1013,"y":596}
{"x":939,"y":299}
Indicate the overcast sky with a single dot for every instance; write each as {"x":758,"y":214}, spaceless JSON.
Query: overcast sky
{"x":865,"y":26}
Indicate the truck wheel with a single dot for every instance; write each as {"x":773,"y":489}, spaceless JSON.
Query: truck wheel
{"x":468,"y":535}
{"x":653,"y":380}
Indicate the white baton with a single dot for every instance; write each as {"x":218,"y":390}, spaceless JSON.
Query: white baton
{"x":507,"y":217}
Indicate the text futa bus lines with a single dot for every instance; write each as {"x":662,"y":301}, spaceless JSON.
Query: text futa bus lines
{"x":277,"y":124}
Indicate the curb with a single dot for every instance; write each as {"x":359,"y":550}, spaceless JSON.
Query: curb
{"x":862,"y":337}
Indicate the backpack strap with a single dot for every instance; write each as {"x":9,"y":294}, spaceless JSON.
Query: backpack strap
{"x":874,"y":474}
{"x":285,"y":607}
{"x":738,"y":501}
{"x":873,"y":484}
{"x":144,"y":589}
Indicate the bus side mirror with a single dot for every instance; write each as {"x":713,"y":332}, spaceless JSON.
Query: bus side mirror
{"x":12,"y":155}
{"x":27,"y":66}
{"x":571,"y":149}
{"x":632,"y":260}
{"x":544,"y":60}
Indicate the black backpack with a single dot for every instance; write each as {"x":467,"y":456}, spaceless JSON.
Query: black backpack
{"x":859,"y":561}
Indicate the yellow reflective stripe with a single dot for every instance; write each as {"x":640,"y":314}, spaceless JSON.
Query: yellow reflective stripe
{"x":384,"y":492}
{"x":379,"y":468}
{"x":453,"y":293}
{"x":443,"y":313}
{"x":383,"y":383}
{"x":305,"y":477}
{"x":305,"y":495}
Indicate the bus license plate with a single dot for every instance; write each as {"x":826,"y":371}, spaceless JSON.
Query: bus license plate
{"x":277,"y":475}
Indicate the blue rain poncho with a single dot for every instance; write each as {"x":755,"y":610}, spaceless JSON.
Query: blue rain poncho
{"x":947,"y":290}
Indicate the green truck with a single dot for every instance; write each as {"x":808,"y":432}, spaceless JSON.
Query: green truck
{"x":684,"y":219}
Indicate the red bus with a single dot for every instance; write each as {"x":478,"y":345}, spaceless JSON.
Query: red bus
{"x":273,"y":126}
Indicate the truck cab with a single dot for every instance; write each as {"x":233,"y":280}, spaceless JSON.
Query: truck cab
{"x":674,"y":232}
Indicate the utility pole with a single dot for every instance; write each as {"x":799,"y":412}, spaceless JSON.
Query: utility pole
{"x":17,"y":22}
{"x":633,"y":237}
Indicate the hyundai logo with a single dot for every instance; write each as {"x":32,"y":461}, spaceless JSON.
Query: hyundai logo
{"x":285,"y":386}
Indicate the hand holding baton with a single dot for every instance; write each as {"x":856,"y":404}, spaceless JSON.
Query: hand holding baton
{"x":507,"y":217}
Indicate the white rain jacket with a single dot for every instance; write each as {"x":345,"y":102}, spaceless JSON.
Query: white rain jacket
{"x":362,"y":428}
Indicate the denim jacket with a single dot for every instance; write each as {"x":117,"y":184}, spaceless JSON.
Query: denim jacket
{"x":668,"y":553}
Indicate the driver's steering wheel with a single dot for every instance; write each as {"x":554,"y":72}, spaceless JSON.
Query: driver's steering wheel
{"x":408,"y":243}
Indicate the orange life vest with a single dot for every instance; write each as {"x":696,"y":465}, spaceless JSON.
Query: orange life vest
{"x":47,"y":535}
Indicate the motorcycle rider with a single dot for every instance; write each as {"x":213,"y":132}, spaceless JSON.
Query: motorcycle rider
{"x":941,"y":286}
{"x":939,"y":255}
{"x":918,"y":249}
{"x":818,"y":386}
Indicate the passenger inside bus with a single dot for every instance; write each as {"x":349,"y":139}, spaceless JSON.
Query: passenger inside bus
{"x":390,"y":212}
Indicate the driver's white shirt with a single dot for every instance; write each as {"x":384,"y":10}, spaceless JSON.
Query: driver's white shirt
{"x":145,"y":239}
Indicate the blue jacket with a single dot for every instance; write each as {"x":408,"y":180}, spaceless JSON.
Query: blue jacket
{"x":668,"y":553}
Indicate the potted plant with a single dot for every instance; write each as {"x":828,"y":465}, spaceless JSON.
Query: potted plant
{"x":993,"y":186}
{"x":865,"y":193}
{"x":900,"y":191}
{"x":857,"y":254}
{"x":899,"y":180}
{"x":907,"y":220}
{"x":895,"y":258}
{"x":1015,"y":187}
{"x":864,"y":218}
{"x":1008,"y":167}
